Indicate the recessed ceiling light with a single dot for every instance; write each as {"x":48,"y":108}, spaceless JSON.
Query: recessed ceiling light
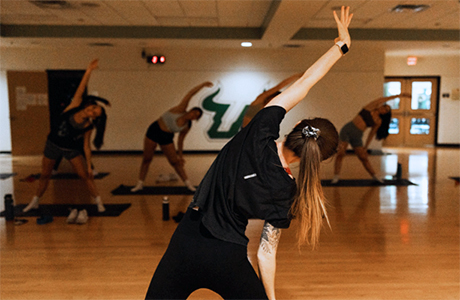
{"x":246,"y":44}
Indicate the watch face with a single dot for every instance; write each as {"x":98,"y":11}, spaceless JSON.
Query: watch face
{"x":344,"y":48}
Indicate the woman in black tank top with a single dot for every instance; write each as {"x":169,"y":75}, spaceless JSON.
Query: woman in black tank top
{"x":377,"y":116}
{"x":73,"y":129}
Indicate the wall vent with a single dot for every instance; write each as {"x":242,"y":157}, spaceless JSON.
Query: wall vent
{"x":101,"y":44}
{"x":53,"y":4}
{"x":292,"y":46}
{"x":410,"y":7}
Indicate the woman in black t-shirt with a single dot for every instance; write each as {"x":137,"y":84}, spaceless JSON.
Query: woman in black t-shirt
{"x":377,"y":116}
{"x":250,"y":179}
{"x":75,"y":124}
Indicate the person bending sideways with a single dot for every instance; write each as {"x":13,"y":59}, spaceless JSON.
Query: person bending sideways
{"x":375,"y":115}
{"x":161,"y":132}
{"x":74,"y":128}
{"x":250,"y":179}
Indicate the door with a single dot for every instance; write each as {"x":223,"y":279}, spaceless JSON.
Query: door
{"x":62,"y":85}
{"x":413,"y":120}
{"x":29,"y":114}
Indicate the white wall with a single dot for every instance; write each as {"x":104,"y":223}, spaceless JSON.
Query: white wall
{"x":140,"y":93}
{"x":448,"y":68}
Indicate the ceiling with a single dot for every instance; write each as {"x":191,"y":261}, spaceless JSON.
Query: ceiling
{"x":226,"y":23}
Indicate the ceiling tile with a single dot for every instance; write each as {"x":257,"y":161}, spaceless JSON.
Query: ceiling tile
{"x":170,"y":8}
{"x":134,"y":12}
{"x":199,"y":8}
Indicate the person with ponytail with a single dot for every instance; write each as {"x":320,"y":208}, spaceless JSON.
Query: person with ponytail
{"x":377,"y":116}
{"x":250,"y":179}
{"x":74,"y":128}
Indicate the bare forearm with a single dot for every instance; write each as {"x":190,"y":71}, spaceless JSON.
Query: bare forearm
{"x":266,"y":256}
{"x":85,"y":79}
{"x":185,"y":101}
{"x":370,"y":137}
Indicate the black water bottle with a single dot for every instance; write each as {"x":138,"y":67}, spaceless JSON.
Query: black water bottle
{"x":9,"y":207}
{"x":398,"y":174}
{"x":165,"y":208}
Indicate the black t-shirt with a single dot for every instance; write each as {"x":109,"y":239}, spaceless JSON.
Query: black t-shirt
{"x":66,"y":134}
{"x":247,"y":180}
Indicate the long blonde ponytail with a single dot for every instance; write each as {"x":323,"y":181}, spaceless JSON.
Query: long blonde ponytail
{"x":309,"y":206}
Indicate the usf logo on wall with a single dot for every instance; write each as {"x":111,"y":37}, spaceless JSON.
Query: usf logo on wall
{"x":219,"y":110}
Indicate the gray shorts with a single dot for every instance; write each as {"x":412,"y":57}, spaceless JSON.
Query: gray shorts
{"x":54,"y":152}
{"x":352,"y":135}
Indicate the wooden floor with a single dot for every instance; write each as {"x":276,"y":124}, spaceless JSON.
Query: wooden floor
{"x":385,"y":243}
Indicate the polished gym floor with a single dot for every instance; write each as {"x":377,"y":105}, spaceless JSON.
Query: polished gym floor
{"x":386,"y":242}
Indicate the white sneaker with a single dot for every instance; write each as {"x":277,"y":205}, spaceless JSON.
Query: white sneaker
{"x":100,"y":206}
{"x":163,"y":178}
{"x":72,"y":216}
{"x":189,"y":185}
{"x":335,"y":179}
{"x":173,"y":177}
{"x":82,"y":217}
{"x":139,"y":186}
{"x":32,"y":205}
{"x":379,"y":180}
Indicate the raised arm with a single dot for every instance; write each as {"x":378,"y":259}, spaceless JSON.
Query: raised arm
{"x":379,"y":101}
{"x":78,"y":96}
{"x":263,"y":96}
{"x":372,"y":134}
{"x":266,"y":257}
{"x":299,"y":89}
{"x":182,"y":106}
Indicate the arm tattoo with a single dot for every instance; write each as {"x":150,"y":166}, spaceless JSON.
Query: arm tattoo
{"x":269,"y":238}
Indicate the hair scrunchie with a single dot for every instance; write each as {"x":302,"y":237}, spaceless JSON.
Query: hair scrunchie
{"x":310,"y":131}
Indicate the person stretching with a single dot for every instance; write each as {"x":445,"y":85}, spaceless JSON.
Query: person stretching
{"x":75,"y":124}
{"x":377,"y":116}
{"x":161,"y":132}
{"x":250,"y":179}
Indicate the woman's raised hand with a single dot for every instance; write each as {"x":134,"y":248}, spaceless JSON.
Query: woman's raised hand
{"x":94,"y":64}
{"x":342,"y":25}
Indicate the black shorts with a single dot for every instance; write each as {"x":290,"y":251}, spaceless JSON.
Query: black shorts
{"x":352,"y":135}
{"x":54,"y":152}
{"x":159,"y":136}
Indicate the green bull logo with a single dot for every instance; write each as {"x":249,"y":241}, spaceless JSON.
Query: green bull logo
{"x":220,"y":109}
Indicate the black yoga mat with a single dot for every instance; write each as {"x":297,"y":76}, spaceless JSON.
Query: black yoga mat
{"x":33,"y":177}
{"x":153,"y":190}
{"x":367,"y":182}
{"x":63,"y":210}
{"x":6,"y":175}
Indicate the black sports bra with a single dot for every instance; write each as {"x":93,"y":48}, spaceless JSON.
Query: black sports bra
{"x":367,"y":117}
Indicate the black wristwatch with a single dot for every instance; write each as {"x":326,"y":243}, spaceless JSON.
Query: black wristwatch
{"x":343,"y":47}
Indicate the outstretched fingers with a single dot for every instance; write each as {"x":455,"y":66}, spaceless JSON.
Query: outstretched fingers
{"x":343,"y":22}
{"x":345,"y":16}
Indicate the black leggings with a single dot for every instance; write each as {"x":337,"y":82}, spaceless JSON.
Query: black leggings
{"x":195,"y":259}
